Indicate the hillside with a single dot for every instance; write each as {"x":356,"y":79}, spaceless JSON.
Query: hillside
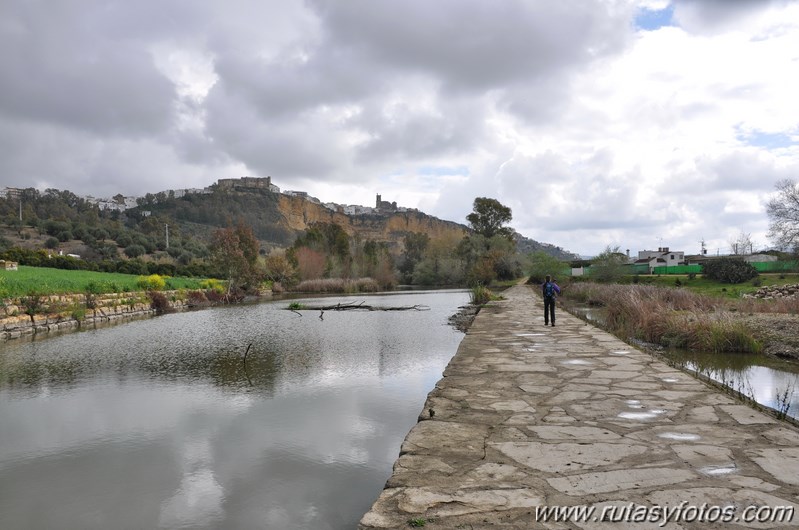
{"x":277,"y":219}
{"x":182,"y":226}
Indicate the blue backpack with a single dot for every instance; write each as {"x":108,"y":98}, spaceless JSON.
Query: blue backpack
{"x":549,"y":290}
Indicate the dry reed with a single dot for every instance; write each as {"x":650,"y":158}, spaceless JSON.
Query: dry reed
{"x":669,"y":317}
{"x":338,"y":285}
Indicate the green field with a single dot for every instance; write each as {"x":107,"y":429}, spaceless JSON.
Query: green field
{"x":44,"y":281}
{"x":702,"y":285}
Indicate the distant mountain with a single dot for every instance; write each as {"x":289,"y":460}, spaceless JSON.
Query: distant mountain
{"x":526,"y":246}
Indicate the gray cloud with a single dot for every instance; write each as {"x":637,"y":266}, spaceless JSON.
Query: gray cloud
{"x":60,"y":70}
{"x":473,"y":45}
{"x":102,"y":97}
{"x":713,"y":16}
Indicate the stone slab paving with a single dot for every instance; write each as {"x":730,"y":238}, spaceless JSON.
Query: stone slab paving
{"x":528,"y":416}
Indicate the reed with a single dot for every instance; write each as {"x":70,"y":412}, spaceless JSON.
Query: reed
{"x":666,"y":316}
{"x":480,"y":294}
{"x":338,"y":285}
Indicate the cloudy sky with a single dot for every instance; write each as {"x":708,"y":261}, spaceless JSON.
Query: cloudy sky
{"x":637,"y":123}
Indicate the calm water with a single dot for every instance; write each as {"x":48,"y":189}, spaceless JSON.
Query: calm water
{"x":160,"y":423}
{"x":770,"y":382}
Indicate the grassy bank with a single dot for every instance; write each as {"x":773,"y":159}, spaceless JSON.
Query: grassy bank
{"x":670,"y":317}
{"x":701,"y":285}
{"x":45,"y":281}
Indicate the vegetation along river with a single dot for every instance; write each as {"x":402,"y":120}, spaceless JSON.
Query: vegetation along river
{"x":162,"y":423}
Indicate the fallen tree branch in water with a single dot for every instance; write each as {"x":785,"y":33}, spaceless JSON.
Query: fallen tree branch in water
{"x":361,"y":306}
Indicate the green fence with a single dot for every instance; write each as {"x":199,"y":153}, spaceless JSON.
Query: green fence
{"x":638,"y":269}
{"x":776,"y":266}
{"x":678,"y":269}
{"x":770,"y":266}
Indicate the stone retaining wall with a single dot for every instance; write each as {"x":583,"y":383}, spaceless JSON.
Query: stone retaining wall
{"x":65,"y":312}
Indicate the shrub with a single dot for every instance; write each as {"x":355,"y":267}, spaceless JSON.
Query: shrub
{"x":729,"y":270}
{"x":34,"y":303}
{"x":196,"y":298}
{"x":153,"y":282}
{"x":480,"y":295}
{"x":158,"y":302}
{"x":134,"y":251}
{"x":213,"y":284}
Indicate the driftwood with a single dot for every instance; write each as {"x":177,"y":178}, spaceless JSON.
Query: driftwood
{"x":361,"y":306}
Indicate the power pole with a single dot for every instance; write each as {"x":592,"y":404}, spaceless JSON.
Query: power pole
{"x":166,"y":227}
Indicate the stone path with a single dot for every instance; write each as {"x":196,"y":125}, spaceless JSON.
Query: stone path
{"x":528,"y":416}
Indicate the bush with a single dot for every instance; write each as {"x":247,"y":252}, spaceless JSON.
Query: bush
{"x":197,"y":298}
{"x":134,"y":251}
{"x":212,"y":284}
{"x":480,"y":295}
{"x":729,"y":270}
{"x":158,"y":302}
{"x":153,"y":282}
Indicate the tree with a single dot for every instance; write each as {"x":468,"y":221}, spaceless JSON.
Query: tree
{"x":543,"y":264}
{"x":234,"y":252}
{"x":742,"y":244}
{"x":608,"y":266}
{"x":278,"y":268}
{"x":311,"y":264}
{"x":489,"y":216}
{"x":134,"y":250}
{"x":415,"y":244}
{"x":783,"y":212}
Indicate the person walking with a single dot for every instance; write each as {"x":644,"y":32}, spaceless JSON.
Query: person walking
{"x":550,"y":290}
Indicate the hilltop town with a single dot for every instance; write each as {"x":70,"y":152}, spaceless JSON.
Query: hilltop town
{"x":122,"y":203}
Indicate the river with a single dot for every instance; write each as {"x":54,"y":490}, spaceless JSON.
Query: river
{"x":164,"y":423}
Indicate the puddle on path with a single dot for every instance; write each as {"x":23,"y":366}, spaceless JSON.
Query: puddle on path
{"x":719,"y":470}
{"x":577,"y":362}
{"x":679,"y":436}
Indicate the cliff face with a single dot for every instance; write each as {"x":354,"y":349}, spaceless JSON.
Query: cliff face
{"x":389,"y":227}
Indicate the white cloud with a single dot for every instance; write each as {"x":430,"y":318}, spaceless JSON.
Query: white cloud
{"x":593,"y":131}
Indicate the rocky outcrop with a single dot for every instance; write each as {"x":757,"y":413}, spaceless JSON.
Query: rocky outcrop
{"x":390,"y":227}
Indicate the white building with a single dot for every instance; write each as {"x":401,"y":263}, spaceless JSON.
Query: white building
{"x":662,"y":257}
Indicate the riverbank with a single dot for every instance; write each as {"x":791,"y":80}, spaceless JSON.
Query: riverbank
{"x":528,"y":416}
{"x":778,"y":332}
{"x":50,"y":314}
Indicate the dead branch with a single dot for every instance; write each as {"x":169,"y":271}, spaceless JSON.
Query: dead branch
{"x":361,"y":306}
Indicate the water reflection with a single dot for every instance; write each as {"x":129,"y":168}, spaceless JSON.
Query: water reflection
{"x":162,"y":423}
{"x":771,"y":382}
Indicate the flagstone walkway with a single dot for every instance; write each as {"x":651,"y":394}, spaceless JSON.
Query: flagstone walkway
{"x":530,"y":416}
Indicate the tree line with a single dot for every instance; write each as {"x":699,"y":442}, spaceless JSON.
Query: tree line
{"x":170,"y":236}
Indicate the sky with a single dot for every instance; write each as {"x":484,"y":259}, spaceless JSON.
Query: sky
{"x":632,"y":123}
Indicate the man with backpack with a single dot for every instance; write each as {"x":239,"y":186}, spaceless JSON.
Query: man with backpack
{"x":550,"y":291}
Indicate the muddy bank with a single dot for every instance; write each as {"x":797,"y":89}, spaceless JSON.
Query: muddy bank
{"x":778,"y":332}
{"x":462,"y":320}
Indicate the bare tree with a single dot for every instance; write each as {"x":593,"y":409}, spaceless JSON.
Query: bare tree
{"x":742,"y":244}
{"x":783,"y":212}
